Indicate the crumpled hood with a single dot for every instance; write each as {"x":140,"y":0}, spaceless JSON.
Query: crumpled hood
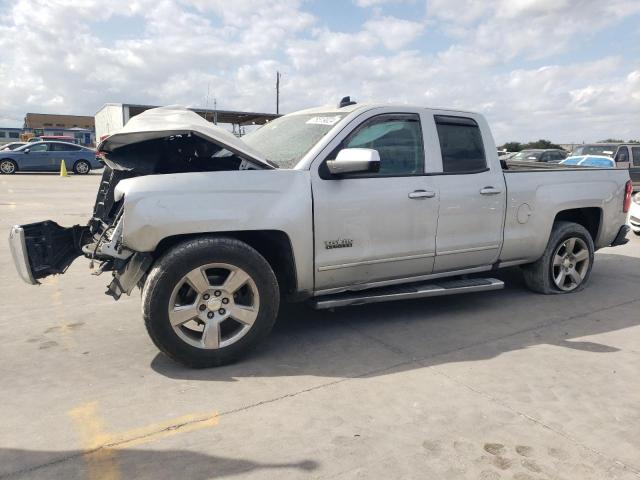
{"x":176,"y":120}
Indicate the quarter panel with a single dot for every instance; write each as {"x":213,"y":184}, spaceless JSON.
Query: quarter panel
{"x":546,"y":193}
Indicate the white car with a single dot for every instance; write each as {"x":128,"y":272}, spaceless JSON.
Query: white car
{"x":634,"y":214}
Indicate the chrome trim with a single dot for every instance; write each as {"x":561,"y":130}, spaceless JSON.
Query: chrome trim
{"x":400,"y":281}
{"x":20,"y":256}
{"x":373,"y":262}
{"x":466,"y":250}
{"x":424,"y":291}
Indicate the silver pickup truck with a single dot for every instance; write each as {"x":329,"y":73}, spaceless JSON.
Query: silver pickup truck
{"x":337,"y":206}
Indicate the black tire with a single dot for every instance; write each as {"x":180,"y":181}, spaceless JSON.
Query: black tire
{"x":538,"y":276}
{"x":81,"y":167}
{"x":8,"y":166}
{"x":637,"y":232}
{"x":168,"y":271}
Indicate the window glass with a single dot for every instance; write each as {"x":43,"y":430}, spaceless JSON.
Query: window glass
{"x":460,"y":144}
{"x":398,"y":140}
{"x":14,"y":134}
{"x":62,"y":147}
{"x":3,"y":134}
{"x":38,"y":147}
{"x":622,"y":155}
{"x":635,"y":151}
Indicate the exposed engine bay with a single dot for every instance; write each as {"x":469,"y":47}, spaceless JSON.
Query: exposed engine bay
{"x":53,"y":248}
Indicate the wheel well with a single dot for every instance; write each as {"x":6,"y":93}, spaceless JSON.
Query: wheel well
{"x":589,"y":218}
{"x":273,"y":245}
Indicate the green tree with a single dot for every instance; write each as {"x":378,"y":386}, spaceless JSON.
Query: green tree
{"x":541,"y":144}
{"x":511,"y":147}
{"x":611,"y":140}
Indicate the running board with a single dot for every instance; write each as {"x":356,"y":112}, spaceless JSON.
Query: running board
{"x":416,"y":290}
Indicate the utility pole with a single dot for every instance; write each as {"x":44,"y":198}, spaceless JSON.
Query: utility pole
{"x":215,"y":110}
{"x":277,"y":93}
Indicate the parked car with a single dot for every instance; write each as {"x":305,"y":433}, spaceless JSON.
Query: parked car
{"x":634,"y":214}
{"x":11,"y":146}
{"x":626,"y":156}
{"x":590,"y":161}
{"x":540,"y":155}
{"x":337,"y":205}
{"x":47,"y":156}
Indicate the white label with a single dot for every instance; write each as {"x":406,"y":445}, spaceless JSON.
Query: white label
{"x":323,"y":120}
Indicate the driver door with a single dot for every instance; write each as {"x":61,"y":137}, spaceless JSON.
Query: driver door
{"x":376,"y":226}
{"x":37,"y":158}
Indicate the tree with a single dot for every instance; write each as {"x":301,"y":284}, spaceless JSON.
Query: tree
{"x":541,"y":144}
{"x":511,"y":147}
{"x":611,"y":140}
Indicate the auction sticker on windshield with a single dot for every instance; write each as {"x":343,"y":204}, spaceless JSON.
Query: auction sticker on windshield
{"x":324,"y":120}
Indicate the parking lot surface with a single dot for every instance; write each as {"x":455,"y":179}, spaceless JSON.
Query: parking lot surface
{"x":505,"y":384}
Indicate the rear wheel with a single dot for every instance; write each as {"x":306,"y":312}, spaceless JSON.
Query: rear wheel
{"x":81,"y":167}
{"x":8,"y":167}
{"x":208,"y":301}
{"x":566,"y":263}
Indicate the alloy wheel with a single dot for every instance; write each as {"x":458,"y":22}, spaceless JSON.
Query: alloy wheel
{"x":214,"y":306}
{"x":570,"y":264}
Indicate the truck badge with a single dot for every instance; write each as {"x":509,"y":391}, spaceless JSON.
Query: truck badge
{"x":340,"y":243}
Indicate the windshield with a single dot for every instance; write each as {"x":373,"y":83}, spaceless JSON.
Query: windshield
{"x":286,"y":140}
{"x":527,"y":156}
{"x":595,"y":150}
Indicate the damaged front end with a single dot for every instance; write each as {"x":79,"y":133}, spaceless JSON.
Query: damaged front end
{"x":160,"y":141}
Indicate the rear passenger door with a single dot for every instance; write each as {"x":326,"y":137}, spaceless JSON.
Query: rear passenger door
{"x":472,"y":196}
{"x":63,"y":151}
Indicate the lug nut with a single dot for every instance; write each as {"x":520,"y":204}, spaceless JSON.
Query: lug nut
{"x":222,"y":311}
{"x":210,"y":315}
{"x":206,"y":296}
{"x":203,"y":307}
{"x":225,"y":300}
{"x":217,"y":293}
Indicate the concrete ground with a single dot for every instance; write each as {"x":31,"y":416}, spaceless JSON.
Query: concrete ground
{"x":498,"y":385}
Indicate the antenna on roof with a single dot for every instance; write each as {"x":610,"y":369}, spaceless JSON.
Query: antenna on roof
{"x":345,"y":102}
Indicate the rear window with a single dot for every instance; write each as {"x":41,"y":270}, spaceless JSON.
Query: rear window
{"x":460,"y":144}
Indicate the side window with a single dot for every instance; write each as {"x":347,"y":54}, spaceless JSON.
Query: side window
{"x":61,"y":147}
{"x":557,"y":156}
{"x":461,"y":145}
{"x":622,"y":155}
{"x":398,"y":140}
{"x":636,"y":156}
{"x":38,"y":147}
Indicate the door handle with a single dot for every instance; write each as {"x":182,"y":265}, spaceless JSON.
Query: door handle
{"x":422,"y":194}
{"x":490,"y":191}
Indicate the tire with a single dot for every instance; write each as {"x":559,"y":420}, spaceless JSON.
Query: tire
{"x":539,"y":276}
{"x":81,"y":167}
{"x":8,"y":166}
{"x":169,"y":296}
{"x":637,"y":232}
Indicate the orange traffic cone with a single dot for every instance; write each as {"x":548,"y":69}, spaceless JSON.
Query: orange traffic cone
{"x":63,"y":169}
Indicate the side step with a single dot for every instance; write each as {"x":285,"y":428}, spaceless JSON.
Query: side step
{"x":415,"y":290}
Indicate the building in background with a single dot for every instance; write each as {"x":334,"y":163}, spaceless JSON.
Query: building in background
{"x":80,"y":127}
{"x":9,"y":134}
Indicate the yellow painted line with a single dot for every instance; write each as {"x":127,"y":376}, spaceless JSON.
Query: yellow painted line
{"x":101,"y":447}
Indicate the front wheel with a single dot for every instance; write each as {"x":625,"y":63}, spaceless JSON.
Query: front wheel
{"x":8,"y":167}
{"x":208,"y":301}
{"x":566,"y":263}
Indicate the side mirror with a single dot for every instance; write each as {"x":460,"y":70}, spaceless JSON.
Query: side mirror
{"x":26,"y":150}
{"x":355,"y":160}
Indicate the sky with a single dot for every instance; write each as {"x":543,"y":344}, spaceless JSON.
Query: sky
{"x":564,"y":70}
